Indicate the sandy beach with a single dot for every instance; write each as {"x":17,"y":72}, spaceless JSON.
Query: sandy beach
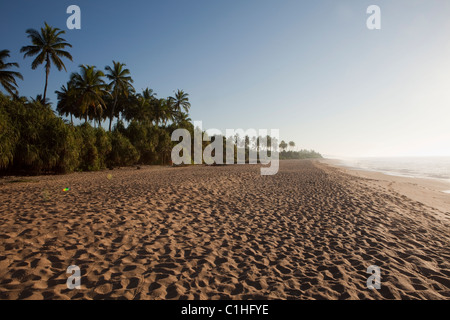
{"x":309,"y":232}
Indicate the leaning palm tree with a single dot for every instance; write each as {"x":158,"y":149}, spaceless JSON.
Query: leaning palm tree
{"x":90,"y":89}
{"x":181,"y":100}
{"x":120,"y":84}
{"x":7,"y":77}
{"x":49,"y":48}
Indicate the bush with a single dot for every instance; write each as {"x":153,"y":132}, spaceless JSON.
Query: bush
{"x":104,"y":146}
{"x":8,"y":137}
{"x":69,"y":159}
{"x":34,"y":139}
{"x":29,"y":121}
{"x":145,"y":139}
{"x":302,"y":154}
{"x":89,"y":156}
{"x":61,"y":151}
{"x":123,"y":152}
{"x":164,"y":148}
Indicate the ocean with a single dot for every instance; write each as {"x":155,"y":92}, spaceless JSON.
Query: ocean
{"x":414,"y":167}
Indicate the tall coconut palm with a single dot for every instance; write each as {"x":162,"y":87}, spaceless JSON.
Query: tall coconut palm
{"x":7,"y":77}
{"x":120,"y":84}
{"x":90,"y":89}
{"x":283,"y":145}
{"x":291,"y":144}
{"x":49,"y":48}
{"x":124,"y":103}
{"x":181,"y":101}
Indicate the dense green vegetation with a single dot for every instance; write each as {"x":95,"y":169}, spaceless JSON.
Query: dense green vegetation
{"x":287,"y":154}
{"x":35,"y":139}
{"x":302,"y":154}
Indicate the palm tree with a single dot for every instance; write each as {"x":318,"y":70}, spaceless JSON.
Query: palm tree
{"x":140,"y":106}
{"x":39,"y":99}
{"x":125,"y":102}
{"x":67,"y":102}
{"x":120,"y":84}
{"x":182,"y":120}
{"x":291,"y":144}
{"x":254,"y":143}
{"x":142,"y":110}
{"x":48,"y":46}
{"x":269,"y":143}
{"x":259,"y":143}
{"x":148,"y":94}
{"x":181,"y":100}
{"x":90,"y":89}
{"x":162,"y":110}
{"x":169,"y":109}
{"x":283,"y":145}
{"x":8,"y":78}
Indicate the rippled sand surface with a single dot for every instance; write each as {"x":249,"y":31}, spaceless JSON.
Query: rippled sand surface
{"x":309,"y":232}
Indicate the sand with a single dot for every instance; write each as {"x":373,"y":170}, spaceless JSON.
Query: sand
{"x":309,"y":232}
{"x":432,"y":192}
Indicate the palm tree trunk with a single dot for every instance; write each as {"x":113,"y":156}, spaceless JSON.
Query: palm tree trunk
{"x":47,"y":71}
{"x":71,"y":119}
{"x":45,"y":88}
{"x":112,"y":113}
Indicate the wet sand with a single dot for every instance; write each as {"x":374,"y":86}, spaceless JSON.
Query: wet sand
{"x":432,"y":192}
{"x":309,"y":232}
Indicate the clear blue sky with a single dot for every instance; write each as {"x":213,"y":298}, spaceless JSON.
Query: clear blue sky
{"x":309,"y":68}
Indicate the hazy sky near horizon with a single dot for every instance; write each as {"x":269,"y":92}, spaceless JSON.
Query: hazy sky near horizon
{"x":309,"y":68}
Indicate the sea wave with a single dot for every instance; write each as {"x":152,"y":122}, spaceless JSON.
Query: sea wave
{"x":414,"y":167}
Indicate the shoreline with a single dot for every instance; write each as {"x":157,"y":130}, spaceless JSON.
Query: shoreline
{"x":441,"y":182}
{"x":429,"y":191}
